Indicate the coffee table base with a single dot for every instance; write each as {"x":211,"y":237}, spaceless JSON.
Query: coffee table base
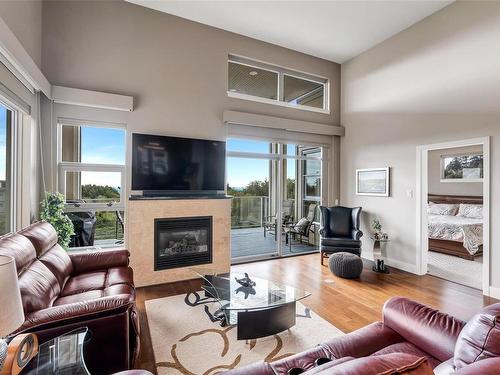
{"x":253,"y":324}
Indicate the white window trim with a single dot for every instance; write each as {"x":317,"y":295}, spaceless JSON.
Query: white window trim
{"x":458,"y":180}
{"x":63,"y":167}
{"x":281,"y":71}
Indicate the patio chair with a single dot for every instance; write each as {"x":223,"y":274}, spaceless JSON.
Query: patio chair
{"x":303,"y":228}
{"x":286,"y":218}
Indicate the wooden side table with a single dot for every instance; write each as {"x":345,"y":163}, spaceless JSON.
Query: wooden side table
{"x":379,"y":265}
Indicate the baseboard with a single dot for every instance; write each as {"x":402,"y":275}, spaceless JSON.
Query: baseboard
{"x":494,"y":292}
{"x":411,"y":268}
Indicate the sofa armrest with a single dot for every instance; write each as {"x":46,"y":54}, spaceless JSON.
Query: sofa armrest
{"x":430,"y":330}
{"x":356,"y":234}
{"x":362,"y":342}
{"x":87,"y":261}
{"x":57,"y":315}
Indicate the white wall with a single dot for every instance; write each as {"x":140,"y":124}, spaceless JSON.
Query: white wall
{"x":436,"y":81}
{"x":436,"y":186}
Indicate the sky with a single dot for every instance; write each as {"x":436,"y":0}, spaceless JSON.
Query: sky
{"x":241,"y":171}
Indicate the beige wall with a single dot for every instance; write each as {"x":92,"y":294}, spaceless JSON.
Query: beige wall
{"x":436,"y":186}
{"x":24,"y":19}
{"x":436,"y":81}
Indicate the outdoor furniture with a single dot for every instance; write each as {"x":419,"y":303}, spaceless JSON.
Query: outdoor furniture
{"x":270,"y":222}
{"x":340,"y":231}
{"x":303,"y":228}
{"x":121,"y":223}
{"x":346,"y":265}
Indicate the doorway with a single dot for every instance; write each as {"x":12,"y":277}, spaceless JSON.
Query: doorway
{"x":453,"y":211}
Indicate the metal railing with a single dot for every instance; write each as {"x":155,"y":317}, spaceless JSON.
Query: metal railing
{"x":251,"y":211}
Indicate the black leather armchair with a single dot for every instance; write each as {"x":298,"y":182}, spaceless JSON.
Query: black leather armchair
{"x":340,"y":231}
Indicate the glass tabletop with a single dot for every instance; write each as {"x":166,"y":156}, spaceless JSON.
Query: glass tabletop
{"x":61,"y":355}
{"x":231,"y":295}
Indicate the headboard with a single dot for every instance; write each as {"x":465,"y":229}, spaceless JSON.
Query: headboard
{"x":468,"y":199}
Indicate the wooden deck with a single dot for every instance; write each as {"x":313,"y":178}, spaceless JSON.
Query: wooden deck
{"x":251,"y":242}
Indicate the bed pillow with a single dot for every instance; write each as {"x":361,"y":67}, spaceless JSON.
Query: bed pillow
{"x":473,"y":211}
{"x":442,"y":209}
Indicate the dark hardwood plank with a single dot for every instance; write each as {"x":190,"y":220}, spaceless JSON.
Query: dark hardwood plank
{"x":347,"y":304}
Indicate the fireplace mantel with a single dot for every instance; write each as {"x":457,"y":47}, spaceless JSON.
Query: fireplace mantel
{"x":140,"y":223}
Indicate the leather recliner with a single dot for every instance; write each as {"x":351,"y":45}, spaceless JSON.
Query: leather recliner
{"x":408,"y":330}
{"x":340,"y":231}
{"x":62,"y":291}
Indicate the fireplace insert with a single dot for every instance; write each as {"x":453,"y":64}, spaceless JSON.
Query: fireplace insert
{"x":182,"y":242}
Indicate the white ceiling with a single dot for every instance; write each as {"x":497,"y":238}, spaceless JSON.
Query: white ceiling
{"x":333,"y":30}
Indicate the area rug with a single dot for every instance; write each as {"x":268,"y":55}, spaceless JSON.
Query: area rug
{"x":458,"y":270}
{"x":186,"y":341}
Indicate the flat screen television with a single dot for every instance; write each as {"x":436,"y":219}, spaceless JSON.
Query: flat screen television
{"x":172,"y":165}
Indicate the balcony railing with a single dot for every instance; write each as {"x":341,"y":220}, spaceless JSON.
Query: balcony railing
{"x":251,"y":211}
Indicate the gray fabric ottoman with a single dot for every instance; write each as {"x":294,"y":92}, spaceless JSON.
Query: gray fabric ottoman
{"x":346,"y":265}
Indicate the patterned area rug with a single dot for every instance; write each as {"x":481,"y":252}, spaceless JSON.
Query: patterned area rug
{"x":186,"y":341}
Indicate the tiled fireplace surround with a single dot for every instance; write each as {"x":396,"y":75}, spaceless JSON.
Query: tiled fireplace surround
{"x":140,"y":235}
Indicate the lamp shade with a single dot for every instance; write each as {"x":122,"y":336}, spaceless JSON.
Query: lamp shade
{"x":11,"y":311}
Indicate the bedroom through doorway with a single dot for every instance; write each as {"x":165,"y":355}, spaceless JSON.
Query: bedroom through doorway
{"x":453,"y":200}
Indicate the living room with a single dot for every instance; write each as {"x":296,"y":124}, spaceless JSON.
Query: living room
{"x":204,"y":187}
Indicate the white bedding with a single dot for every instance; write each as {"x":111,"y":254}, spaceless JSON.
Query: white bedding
{"x":457,"y":228}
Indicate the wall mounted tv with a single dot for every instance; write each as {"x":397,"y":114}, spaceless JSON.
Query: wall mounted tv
{"x":171,"y":165}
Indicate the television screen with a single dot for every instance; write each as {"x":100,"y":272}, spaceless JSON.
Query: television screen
{"x":175,"y":164}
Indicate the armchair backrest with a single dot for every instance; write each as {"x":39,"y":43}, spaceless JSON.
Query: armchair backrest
{"x":339,"y":221}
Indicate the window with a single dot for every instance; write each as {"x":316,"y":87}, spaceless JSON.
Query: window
{"x":311,"y":177}
{"x":92,"y":178}
{"x":6,"y":175}
{"x":252,"y":80}
{"x":464,"y":167}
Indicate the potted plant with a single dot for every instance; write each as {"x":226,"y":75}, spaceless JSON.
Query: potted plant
{"x":377,"y":228}
{"x":52,"y":211}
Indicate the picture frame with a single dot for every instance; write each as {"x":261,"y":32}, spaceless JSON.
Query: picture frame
{"x":373,"y":181}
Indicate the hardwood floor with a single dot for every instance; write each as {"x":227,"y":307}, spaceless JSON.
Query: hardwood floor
{"x":347,"y":304}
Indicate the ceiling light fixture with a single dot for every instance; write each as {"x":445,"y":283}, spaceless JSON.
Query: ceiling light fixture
{"x":253,"y":73}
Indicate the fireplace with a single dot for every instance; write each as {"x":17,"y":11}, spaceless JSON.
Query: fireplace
{"x":181,"y":242}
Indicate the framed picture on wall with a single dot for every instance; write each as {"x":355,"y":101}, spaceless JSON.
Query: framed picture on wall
{"x":373,"y":181}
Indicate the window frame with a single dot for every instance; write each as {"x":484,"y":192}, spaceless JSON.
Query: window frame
{"x":63,"y":167}
{"x":282,"y":72}
{"x":459,"y":180}
{"x":15,"y":163}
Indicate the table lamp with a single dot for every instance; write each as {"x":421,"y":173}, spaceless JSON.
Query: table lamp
{"x":12,"y":314}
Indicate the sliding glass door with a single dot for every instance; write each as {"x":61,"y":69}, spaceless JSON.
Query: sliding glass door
{"x":277,"y":192}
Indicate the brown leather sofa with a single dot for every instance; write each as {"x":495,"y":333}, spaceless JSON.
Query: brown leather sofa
{"x":409,"y":334}
{"x":62,"y":291}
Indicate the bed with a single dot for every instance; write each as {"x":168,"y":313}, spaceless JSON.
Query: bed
{"x":455,"y":235}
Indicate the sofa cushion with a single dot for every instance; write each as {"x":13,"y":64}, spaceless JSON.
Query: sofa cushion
{"x":98,"y":280}
{"x":341,"y":242}
{"x":57,"y":261}
{"x":42,"y":235}
{"x":18,"y":247}
{"x":408,"y":348}
{"x":387,"y":364}
{"x":39,"y":287}
{"x":90,"y":295}
{"x":480,"y":337}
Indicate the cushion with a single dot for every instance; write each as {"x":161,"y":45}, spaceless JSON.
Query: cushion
{"x":58,"y":262}
{"x":341,"y":242}
{"x":473,"y":211}
{"x":42,"y":235}
{"x":387,"y":364}
{"x":18,"y":247}
{"x":302,"y":225}
{"x":98,"y":280}
{"x":480,"y":338}
{"x":408,"y":348}
{"x":340,"y":221}
{"x":442,"y":209}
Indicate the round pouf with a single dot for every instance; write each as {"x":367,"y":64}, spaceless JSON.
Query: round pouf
{"x":346,"y":265}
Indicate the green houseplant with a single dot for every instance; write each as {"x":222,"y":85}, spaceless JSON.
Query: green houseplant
{"x":52,"y":211}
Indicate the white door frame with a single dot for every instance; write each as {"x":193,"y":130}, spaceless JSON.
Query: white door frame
{"x":422,"y":194}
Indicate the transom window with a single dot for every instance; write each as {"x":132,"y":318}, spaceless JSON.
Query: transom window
{"x":252,"y":80}
{"x":91,"y":173}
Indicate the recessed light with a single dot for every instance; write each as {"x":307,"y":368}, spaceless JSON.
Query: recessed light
{"x":253,"y":73}
{"x":233,"y":90}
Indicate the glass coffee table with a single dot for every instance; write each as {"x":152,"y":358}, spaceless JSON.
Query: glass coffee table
{"x":259,"y":310}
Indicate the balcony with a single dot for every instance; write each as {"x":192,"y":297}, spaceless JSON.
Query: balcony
{"x":251,"y":234}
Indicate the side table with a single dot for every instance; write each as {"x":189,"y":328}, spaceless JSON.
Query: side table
{"x":379,"y":265}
